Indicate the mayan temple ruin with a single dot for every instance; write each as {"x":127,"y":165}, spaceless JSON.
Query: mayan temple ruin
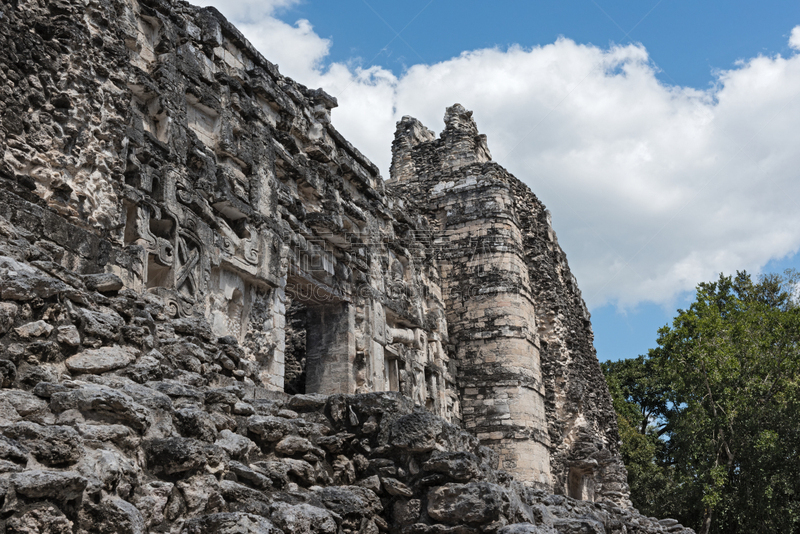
{"x":216,"y":316}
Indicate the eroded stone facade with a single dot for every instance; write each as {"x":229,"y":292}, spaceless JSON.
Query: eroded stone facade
{"x":239,"y":240}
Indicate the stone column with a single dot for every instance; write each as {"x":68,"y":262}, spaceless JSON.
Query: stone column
{"x":486,"y":286}
{"x":492,"y":319}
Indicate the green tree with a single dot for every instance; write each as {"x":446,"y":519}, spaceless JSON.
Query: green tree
{"x":640,"y":396}
{"x":715,"y":410}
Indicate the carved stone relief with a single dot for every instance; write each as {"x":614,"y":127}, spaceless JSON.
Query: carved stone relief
{"x":176,"y":266}
{"x":188,"y":281}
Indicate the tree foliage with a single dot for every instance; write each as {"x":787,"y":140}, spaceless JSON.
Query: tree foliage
{"x":710,"y":418}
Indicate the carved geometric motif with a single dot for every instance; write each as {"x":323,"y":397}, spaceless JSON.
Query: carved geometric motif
{"x":187,"y":262}
{"x":175,"y":255}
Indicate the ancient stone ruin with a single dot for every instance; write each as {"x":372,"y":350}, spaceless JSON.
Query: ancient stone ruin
{"x":216,"y":316}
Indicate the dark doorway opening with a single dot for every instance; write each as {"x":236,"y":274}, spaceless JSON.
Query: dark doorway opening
{"x":294,"y":380}
{"x":580,"y":484}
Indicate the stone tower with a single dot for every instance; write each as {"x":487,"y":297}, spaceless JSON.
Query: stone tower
{"x":528,"y":378}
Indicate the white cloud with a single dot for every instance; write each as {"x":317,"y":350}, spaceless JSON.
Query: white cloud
{"x":794,"y":39}
{"x":653,"y":187}
{"x":296,"y":49}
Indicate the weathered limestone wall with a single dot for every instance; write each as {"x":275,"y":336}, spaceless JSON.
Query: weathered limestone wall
{"x":530,"y":384}
{"x":197,"y":173}
{"x":584,"y":439}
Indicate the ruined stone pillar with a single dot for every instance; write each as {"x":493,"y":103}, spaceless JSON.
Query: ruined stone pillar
{"x":486,"y":288}
{"x":491,"y":315}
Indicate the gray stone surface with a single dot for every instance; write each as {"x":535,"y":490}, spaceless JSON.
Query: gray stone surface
{"x":473,"y":503}
{"x":69,"y":335}
{"x":58,"y":485}
{"x":34,"y":329}
{"x":97,"y":361}
{"x":304,"y":519}
{"x":178,"y":455}
{"x":230,"y":523}
{"x":42,"y":519}
{"x":103,"y":282}
{"x":8,"y":314}
{"x":51,"y":445}
{"x":102,"y":404}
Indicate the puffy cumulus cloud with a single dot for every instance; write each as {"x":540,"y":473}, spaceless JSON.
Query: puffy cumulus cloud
{"x":653,"y":187}
{"x":296,"y":49}
{"x":249,"y":10}
{"x":794,"y":39}
{"x":366,"y":114}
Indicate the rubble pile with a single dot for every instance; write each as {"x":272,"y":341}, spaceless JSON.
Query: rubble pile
{"x":118,"y":438}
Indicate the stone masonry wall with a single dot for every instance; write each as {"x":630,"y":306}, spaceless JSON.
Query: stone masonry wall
{"x":490,"y":311}
{"x":150,"y":140}
{"x":121,"y":439}
{"x":530,"y":383}
{"x":585,"y":459}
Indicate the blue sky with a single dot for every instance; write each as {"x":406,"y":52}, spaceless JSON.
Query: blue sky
{"x":660,"y":134}
{"x":686,"y":39}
